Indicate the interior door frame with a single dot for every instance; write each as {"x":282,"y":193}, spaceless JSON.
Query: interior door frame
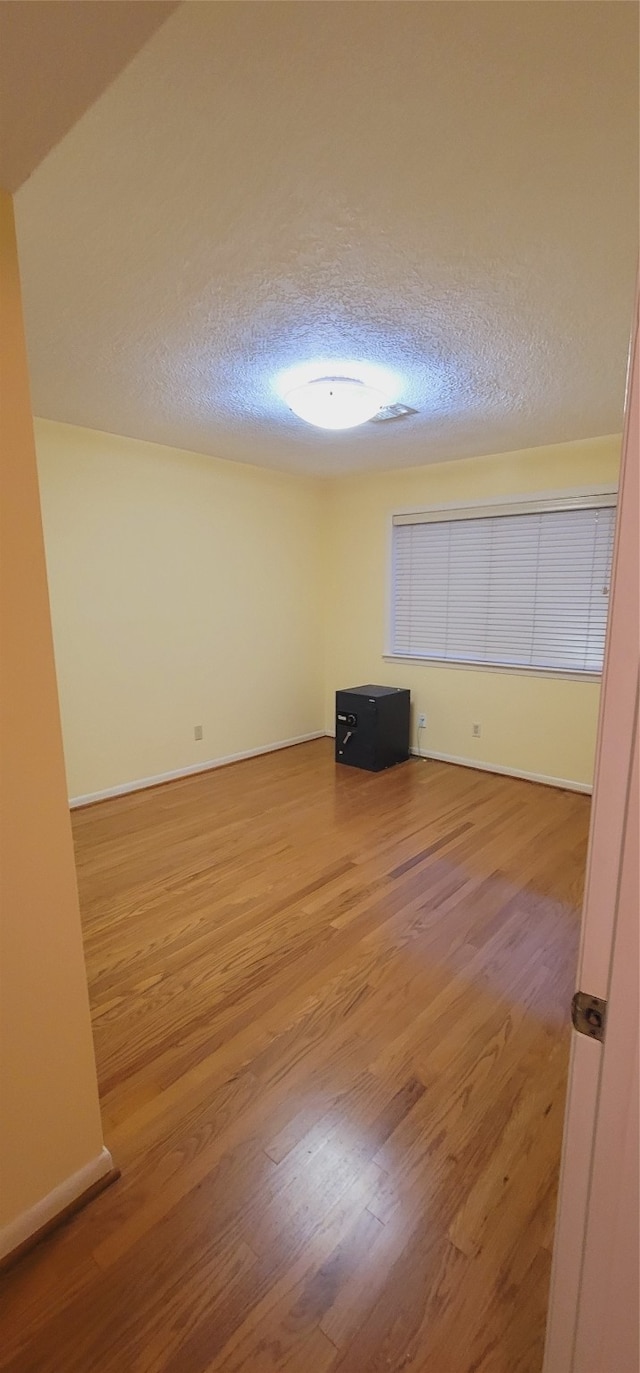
{"x":606,"y":952}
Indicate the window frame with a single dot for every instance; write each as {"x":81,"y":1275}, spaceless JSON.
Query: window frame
{"x":574,"y":498}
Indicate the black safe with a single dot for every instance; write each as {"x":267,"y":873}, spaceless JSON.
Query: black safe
{"x":372,"y":727}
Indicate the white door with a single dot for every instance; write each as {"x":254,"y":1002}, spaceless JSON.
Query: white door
{"x":593,"y":1305}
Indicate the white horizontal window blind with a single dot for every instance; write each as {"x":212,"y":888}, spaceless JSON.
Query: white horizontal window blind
{"x":527,"y":589}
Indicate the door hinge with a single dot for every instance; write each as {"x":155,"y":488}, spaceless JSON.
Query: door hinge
{"x":589,"y":1015}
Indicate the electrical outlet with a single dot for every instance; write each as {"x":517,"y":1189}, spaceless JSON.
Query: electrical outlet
{"x":475,"y":730}
{"x":422,"y":721}
{"x":197,"y":732}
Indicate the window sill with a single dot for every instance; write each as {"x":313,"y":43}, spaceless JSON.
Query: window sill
{"x":508,"y":669}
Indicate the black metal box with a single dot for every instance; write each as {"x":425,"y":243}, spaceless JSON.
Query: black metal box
{"x":372,"y":726}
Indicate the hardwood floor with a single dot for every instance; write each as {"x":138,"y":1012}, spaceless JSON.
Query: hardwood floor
{"x":331,"y":1022}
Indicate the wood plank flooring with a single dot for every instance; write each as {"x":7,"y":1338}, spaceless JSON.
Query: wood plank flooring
{"x":331,"y":1026}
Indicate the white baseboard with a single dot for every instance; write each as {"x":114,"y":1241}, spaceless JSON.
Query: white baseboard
{"x":143,"y":782}
{"x":24,"y":1226}
{"x":561,"y":782}
{"x":564,"y":783}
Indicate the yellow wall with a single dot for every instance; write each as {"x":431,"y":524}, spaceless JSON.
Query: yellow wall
{"x":183,"y":591}
{"x":49,"y":1115}
{"x":538,"y":725}
{"x":190,"y":591}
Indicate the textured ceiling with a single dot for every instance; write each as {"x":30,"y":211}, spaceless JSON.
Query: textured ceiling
{"x":55,"y":60}
{"x":445,"y":190}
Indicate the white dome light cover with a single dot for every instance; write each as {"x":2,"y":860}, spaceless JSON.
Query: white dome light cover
{"x":335,"y":402}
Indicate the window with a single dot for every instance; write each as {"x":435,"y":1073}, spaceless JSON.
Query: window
{"x":515,"y":585}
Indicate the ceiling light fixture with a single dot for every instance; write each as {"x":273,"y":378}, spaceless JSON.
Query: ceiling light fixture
{"x":335,"y":402}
